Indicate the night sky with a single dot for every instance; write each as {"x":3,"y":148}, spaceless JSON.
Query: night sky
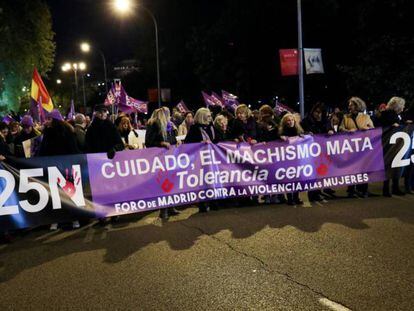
{"x":262,"y":28}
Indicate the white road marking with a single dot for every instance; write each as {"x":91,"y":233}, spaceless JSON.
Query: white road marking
{"x":332,"y":305}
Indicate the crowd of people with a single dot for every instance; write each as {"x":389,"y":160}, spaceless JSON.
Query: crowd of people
{"x":102,"y":133}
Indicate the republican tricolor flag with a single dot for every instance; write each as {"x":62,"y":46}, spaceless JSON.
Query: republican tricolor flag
{"x":39,"y":92}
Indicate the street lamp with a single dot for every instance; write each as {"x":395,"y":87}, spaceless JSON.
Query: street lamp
{"x":81,"y":66}
{"x":124,"y":7}
{"x":86,"y":48}
{"x":300,"y":64}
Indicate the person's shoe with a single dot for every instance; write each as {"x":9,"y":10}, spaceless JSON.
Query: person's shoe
{"x":102,"y":221}
{"x":76,"y":224}
{"x":298,"y":202}
{"x":386,"y":194}
{"x":398,"y":192}
{"x":329,"y":191}
{"x":204,"y":209}
{"x":164,"y":214}
{"x":363,"y":195}
{"x":352,"y":195}
{"x":290,"y":202}
{"x":281,"y":199}
{"x":173,"y":212}
{"x":54,"y":227}
{"x":114,"y":219}
{"x":408,"y":191}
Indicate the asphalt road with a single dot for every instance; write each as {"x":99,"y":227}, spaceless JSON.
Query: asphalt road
{"x":356,"y":254}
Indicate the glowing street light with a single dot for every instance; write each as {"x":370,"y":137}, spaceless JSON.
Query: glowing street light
{"x":58,"y":81}
{"x":124,"y":7}
{"x":75,"y":67}
{"x":85,"y":47}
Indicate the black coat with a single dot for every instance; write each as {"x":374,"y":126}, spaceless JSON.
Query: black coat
{"x":4,"y":148}
{"x":194,"y":134}
{"x":154,"y":138}
{"x":18,"y":142}
{"x":248,"y":130}
{"x":268,"y":131}
{"x":102,"y":136}
{"x":388,"y":118}
{"x":58,"y":140}
{"x":310,"y":125}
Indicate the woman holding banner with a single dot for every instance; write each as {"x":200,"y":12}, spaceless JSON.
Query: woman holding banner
{"x":128,"y":135}
{"x":186,"y":124}
{"x":356,"y":120}
{"x":161,"y":132}
{"x":244,"y":126}
{"x":289,"y":127}
{"x":388,"y":119}
{"x":202,"y":131}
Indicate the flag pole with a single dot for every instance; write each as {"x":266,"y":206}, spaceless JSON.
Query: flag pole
{"x":300,"y":64}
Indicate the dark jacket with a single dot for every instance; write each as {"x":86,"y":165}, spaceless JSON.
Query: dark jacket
{"x":154,"y":138}
{"x":4,"y":148}
{"x":195,"y":135}
{"x":388,"y":118}
{"x":247,"y":131}
{"x":102,"y":136}
{"x":310,"y":125}
{"x":268,"y":131}
{"x":18,"y":142}
{"x":59,"y":139}
{"x":80,"y":135}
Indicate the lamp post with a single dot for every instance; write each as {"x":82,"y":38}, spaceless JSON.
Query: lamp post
{"x":81,"y":66}
{"x":86,"y":48}
{"x":300,"y":65}
{"x":125,"y":7}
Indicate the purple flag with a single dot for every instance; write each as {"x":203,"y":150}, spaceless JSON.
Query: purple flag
{"x":72,"y":113}
{"x":36,"y":111}
{"x":135,"y":104}
{"x":230,"y":100}
{"x":7,"y":119}
{"x":217,"y":99}
{"x":280,"y":108}
{"x":182,"y":107}
{"x":207,"y":99}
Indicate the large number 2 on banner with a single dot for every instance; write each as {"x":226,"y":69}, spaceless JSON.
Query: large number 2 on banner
{"x":24,"y":186}
{"x":7,"y":192}
{"x":399,"y":160}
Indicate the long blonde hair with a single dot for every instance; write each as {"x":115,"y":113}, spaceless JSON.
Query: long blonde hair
{"x":161,"y":117}
{"x":299,"y":129}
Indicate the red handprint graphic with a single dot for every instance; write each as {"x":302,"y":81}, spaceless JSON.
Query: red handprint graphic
{"x":68,"y":185}
{"x":324,"y":162}
{"x":163,"y":179}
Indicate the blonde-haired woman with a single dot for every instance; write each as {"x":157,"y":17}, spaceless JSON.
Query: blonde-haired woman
{"x":186,"y":124}
{"x":221,"y":127}
{"x":128,"y":135}
{"x":290,"y":127}
{"x":202,"y":130}
{"x":244,"y":128}
{"x":391,"y":117}
{"x":356,"y":120}
{"x":161,"y":132}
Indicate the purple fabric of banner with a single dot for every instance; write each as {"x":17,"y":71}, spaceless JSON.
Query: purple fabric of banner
{"x":155,"y":178}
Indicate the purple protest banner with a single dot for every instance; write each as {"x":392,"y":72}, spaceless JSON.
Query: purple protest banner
{"x":154,"y":178}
